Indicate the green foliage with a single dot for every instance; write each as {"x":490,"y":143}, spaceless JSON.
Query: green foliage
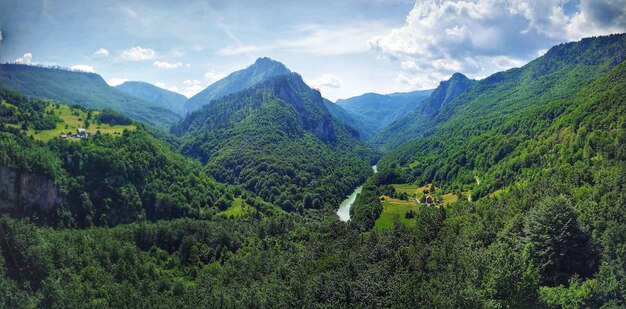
{"x":279,"y":141}
{"x":559,"y":246}
{"x":104,"y":180}
{"x":84,"y":89}
{"x":557,"y":109}
{"x":113,"y":118}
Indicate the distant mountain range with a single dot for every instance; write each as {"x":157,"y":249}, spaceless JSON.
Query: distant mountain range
{"x":413,"y":125}
{"x":151,"y":93}
{"x":85,"y":89}
{"x":373,"y":112}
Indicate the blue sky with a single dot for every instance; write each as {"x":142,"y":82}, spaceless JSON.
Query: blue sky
{"x":342,"y":47}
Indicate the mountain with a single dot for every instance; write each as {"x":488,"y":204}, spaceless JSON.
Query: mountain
{"x":260,"y":71}
{"x":513,"y":122}
{"x":377,"y":111}
{"x":173,"y":101}
{"x":85,"y":89}
{"x":104,"y":180}
{"x":342,"y":115}
{"x":411,"y":126}
{"x":278,"y":140}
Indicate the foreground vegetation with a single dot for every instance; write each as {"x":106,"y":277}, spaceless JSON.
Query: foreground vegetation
{"x":534,"y":155}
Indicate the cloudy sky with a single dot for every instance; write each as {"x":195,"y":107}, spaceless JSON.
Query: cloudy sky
{"x":342,"y":47}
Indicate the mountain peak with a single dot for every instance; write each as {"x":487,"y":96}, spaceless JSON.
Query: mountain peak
{"x":458,"y":76}
{"x":262,"y":69}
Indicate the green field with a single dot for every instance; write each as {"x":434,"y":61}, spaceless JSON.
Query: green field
{"x":411,"y":189}
{"x":72,"y":119}
{"x":392,"y":209}
{"x":238,"y":209}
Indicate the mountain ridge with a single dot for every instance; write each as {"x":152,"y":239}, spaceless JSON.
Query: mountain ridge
{"x":262,"y":69}
{"x":82,"y":88}
{"x":171,"y":100}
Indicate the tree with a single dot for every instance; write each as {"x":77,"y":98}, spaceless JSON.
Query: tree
{"x":560,"y":248}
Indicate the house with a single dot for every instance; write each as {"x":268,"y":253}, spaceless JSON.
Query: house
{"x":429,"y":199}
{"x":80,"y":132}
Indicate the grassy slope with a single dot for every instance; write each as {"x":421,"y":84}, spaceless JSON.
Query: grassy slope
{"x":85,"y":89}
{"x":70,"y":120}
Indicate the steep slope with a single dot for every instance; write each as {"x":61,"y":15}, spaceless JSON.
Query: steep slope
{"x":260,"y":71}
{"x":411,"y":126}
{"x":85,"y":89}
{"x":173,"y":101}
{"x":342,"y":115}
{"x":278,"y":140}
{"x":107,"y":179}
{"x":502,"y":127}
{"x":377,"y":111}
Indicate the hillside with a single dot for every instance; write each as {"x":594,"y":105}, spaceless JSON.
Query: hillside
{"x":120,"y":176}
{"x":485,"y":131}
{"x":85,"y":89}
{"x":261,"y":70}
{"x":172,"y":101}
{"x":278,"y":140}
{"x":413,"y":125}
{"x":377,"y":111}
{"x":342,"y":115}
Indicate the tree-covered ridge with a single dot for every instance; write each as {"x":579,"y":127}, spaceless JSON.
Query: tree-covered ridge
{"x":496,"y":129}
{"x":278,"y":140}
{"x":164,"y":98}
{"x":104,"y":179}
{"x":415,"y":124}
{"x":261,"y":70}
{"x":376,"y":111}
{"x":346,"y":118}
{"x":86,"y":89}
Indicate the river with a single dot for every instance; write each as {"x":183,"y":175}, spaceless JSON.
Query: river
{"x":344,"y":207}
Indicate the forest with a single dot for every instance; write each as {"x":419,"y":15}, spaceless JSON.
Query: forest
{"x":236,"y":205}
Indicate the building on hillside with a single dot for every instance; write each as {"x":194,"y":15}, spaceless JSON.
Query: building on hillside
{"x":429,"y":199}
{"x":81,"y":132}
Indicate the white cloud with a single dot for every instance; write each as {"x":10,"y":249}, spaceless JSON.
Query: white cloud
{"x":102,"y":53}
{"x":26,"y":59}
{"x":166,"y":87}
{"x":138,"y":53}
{"x":480,"y":37}
{"x":83,"y":68}
{"x":318,"y":40}
{"x":326,"y":81}
{"x":213,"y":76}
{"x":167,"y":65}
{"x":116,"y":81}
{"x":192,"y":87}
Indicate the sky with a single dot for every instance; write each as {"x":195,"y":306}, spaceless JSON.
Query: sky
{"x":343,"y":48}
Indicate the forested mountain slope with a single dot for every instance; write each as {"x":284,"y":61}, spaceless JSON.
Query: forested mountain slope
{"x":342,"y":115}
{"x":492,"y":130}
{"x":105,"y":179}
{"x":279,"y":141}
{"x":85,"y":89}
{"x":261,"y":70}
{"x":413,"y":125}
{"x":164,"y":98}
{"x":376,"y":111}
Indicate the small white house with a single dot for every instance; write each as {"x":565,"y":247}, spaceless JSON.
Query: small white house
{"x":80,"y":132}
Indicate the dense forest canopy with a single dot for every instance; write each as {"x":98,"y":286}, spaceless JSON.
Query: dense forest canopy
{"x":278,"y":139}
{"x":236,"y":208}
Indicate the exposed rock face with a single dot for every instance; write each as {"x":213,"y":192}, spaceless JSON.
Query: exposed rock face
{"x":20,"y":190}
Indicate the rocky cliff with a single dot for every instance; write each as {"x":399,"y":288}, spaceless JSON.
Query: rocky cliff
{"x":20,"y":190}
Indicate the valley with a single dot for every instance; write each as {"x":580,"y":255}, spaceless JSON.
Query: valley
{"x":506,"y":191}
